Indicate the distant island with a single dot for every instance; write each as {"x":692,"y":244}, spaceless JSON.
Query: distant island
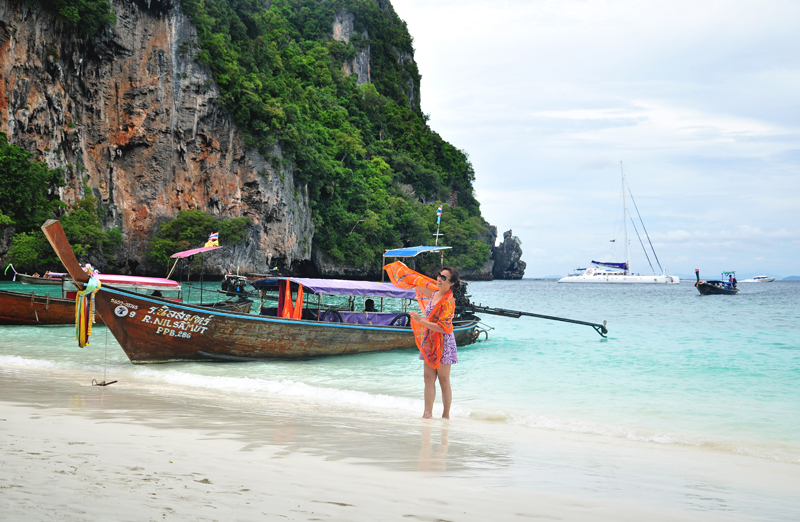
{"x":792,"y":278}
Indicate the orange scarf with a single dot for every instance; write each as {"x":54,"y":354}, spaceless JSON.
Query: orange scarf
{"x":429,"y":342}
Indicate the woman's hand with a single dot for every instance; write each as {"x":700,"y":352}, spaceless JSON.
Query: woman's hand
{"x":415,"y":315}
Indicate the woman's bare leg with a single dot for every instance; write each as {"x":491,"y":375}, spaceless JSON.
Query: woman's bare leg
{"x":447,"y":394}
{"x":430,"y":391}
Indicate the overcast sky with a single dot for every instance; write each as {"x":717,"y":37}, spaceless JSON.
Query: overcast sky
{"x":700,"y":100}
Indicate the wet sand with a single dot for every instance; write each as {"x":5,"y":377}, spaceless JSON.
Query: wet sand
{"x":71,"y":451}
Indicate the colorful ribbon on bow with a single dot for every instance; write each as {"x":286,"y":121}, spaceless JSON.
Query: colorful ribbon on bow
{"x":84,"y":311}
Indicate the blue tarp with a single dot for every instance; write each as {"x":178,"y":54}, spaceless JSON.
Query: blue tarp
{"x":413,"y":251}
{"x":337,"y":287}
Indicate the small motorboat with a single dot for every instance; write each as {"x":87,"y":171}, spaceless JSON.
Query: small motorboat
{"x":759,"y":279}
{"x":725,"y":286}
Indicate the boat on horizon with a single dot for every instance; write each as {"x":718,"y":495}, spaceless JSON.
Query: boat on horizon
{"x":717,"y":287}
{"x":759,"y":279}
{"x":621,"y":273}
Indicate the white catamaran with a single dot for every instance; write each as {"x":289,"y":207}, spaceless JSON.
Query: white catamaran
{"x":620,"y":273}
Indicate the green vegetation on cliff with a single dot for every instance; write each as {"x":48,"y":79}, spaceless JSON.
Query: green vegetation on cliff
{"x":29,"y":196}
{"x":27,"y":188}
{"x":190,"y":229}
{"x":374,"y":169}
{"x":86,"y":16}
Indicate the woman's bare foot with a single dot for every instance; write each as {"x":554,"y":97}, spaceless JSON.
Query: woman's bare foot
{"x":427,"y":415}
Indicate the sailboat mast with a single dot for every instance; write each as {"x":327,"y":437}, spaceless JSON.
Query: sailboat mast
{"x":625,"y":208}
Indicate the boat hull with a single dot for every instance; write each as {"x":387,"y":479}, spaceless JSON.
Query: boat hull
{"x":155,"y":331}
{"x":712,"y":289}
{"x":622,"y":279}
{"x":29,"y":308}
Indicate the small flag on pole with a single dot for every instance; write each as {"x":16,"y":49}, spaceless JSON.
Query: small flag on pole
{"x":438,"y":215}
{"x":612,"y":240}
{"x":213,"y":239}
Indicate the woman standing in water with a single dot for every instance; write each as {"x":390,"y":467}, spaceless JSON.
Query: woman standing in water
{"x":435,"y":339}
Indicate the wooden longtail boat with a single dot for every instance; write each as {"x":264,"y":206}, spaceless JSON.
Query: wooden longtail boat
{"x":49,"y":278}
{"x":717,"y":287}
{"x":152,"y":330}
{"x":30,"y":308}
{"x":26,"y":279}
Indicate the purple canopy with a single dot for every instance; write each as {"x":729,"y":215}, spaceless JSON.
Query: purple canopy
{"x":338,"y":287}
{"x":621,"y":266}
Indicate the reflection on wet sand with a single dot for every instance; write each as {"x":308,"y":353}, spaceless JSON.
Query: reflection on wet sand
{"x":433,"y":458}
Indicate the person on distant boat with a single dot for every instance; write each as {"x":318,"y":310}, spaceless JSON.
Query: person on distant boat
{"x":733,"y":281}
{"x":47,"y":275}
{"x":35,"y":274}
{"x":438,"y":329}
{"x":369,"y":305}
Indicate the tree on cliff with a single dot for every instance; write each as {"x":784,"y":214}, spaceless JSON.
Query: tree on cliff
{"x":27,"y":188}
{"x":87,"y":16}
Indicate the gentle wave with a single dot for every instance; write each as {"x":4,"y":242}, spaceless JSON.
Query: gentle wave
{"x":23,"y":362}
{"x":289,"y":388}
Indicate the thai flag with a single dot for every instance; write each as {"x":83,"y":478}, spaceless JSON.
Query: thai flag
{"x":438,"y":215}
{"x":213,"y":236}
{"x":613,"y":240}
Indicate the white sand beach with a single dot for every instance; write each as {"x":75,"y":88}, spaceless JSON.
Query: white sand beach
{"x":71,"y":451}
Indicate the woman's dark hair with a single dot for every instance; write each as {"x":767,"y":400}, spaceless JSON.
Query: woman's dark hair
{"x":455,"y":279}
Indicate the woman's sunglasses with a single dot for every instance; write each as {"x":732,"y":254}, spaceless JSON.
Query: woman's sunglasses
{"x":442,"y":277}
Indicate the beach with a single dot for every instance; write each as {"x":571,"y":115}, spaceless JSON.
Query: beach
{"x":73,"y":451}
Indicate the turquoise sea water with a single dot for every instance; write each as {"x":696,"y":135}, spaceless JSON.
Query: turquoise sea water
{"x":716,"y":372}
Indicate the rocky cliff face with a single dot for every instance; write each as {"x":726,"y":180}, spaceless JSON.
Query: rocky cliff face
{"x":343,"y":31}
{"x":137,"y":118}
{"x":506,"y":257}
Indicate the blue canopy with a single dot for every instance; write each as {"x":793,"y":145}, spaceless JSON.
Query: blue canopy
{"x":413,"y":251}
{"x":338,"y":287}
{"x":621,"y":266}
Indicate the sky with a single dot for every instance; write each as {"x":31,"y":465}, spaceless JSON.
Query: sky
{"x":698,"y":101}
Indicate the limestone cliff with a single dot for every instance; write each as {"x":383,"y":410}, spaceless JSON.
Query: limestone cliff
{"x":138,"y":119}
{"x":506,"y":257}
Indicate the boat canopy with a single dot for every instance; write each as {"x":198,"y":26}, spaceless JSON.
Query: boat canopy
{"x":413,"y":251}
{"x":621,"y":266}
{"x":337,"y":287}
{"x":187,"y":253}
{"x":133,"y":283}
